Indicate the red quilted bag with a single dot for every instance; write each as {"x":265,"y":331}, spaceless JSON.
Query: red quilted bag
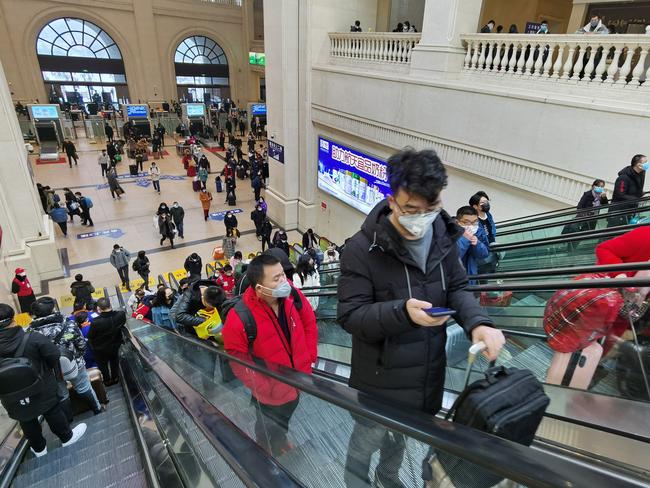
{"x":575,"y":318}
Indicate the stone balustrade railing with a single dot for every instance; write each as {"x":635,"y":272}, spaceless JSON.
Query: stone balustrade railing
{"x":378,"y":47}
{"x":616,"y":60}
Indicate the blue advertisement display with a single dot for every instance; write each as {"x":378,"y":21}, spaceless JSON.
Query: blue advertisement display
{"x":258,"y":109}
{"x":44,"y":112}
{"x":137,"y":111}
{"x":355,"y":178}
{"x":195,"y":110}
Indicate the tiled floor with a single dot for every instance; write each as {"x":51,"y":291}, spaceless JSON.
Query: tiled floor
{"x":133,"y":215}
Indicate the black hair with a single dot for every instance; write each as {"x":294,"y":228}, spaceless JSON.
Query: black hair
{"x":499,"y":29}
{"x":160,"y":300}
{"x":513,"y":29}
{"x":255,"y":271}
{"x":78,"y":277}
{"x":238,"y":255}
{"x":6,"y":314}
{"x":636,"y":159}
{"x":104,"y":304}
{"x":491,"y":21}
{"x":213,"y":296}
{"x":418,"y":172}
{"x":116,"y":246}
{"x":80,"y":318}
{"x":183,"y":282}
{"x":303,"y":268}
{"x":483,"y":194}
{"x":598,"y":182}
{"x":43,"y":307}
{"x":476,"y":198}
{"x":465,"y":210}
{"x":544,"y":22}
{"x":227,"y":268}
{"x":141,"y":254}
{"x":356,"y":22}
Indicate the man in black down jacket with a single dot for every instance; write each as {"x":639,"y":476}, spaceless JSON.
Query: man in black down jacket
{"x":403,"y":261}
{"x":194,"y":266}
{"x":44,"y":356}
{"x":105,"y":337}
{"x":200,"y":294}
{"x":628,"y":188}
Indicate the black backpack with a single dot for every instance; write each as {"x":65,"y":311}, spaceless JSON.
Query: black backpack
{"x":19,"y":378}
{"x":509,"y":403}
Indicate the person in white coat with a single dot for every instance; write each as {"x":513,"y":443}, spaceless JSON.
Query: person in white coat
{"x":306,"y":276}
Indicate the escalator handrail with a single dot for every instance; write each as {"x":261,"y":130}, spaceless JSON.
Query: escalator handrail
{"x":161,"y":280}
{"x":171,"y":278}
{"x":210,"y":270}
{"x":538,"y":285}
{"x":576,"y":220}
{"x":524,"y":465}
{"x":556,"y":213}
{"x":576,"y":270}
{"x":530,"y":273}
{"x":257,"y":469}
{"x":576,"y":236}
{"x":120,"y":297}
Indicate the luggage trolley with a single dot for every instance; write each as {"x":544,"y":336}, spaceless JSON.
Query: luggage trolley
{"x":48,"y":128}
{"x":138,"y":116}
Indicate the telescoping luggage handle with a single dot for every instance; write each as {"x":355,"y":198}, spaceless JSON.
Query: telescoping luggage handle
{"x":474,"y":351}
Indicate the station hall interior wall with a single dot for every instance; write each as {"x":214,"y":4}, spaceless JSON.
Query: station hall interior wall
{"x":147,"y":33}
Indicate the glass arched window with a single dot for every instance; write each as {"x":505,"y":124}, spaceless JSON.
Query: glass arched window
{"x":77,"y":38}
{"x":202,"y":73}
{"x":199,"y":50}
{"x":81,"y":65}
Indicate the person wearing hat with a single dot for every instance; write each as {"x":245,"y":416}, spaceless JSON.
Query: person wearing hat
{"x":23,"y":288}
{"x":43,"y":399}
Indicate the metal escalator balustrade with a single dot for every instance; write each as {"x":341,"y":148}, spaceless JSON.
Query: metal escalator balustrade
{"x":316,"y":443}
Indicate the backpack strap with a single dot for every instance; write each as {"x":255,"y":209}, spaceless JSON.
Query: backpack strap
{"x":21,"y":349}
{"x":297,"y":300}
{"x":250,"y":326}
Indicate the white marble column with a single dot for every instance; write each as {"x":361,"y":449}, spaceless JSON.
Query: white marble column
{"x":27,"y":234}
{"x":440,"y":50}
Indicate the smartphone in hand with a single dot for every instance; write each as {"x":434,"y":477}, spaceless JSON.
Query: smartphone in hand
{"x":438,"y":311}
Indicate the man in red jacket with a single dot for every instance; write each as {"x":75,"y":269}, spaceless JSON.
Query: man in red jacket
{"x":286,"y":335}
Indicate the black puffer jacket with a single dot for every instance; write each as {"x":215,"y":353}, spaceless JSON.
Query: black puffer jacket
{"x":628,"y":187}
{"x":45,"y":357}
{"x":392,"y":357}
{"x":185,"y":309}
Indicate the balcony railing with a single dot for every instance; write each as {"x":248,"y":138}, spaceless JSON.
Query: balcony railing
{"x":614,"y":60}
{"x":376,"y":47}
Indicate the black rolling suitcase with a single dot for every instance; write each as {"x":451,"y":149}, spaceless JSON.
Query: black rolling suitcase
{"x":231,"y":199}
{"x":508,"y":402}
{"x":133,"y":169}
{"x":217,"y":181}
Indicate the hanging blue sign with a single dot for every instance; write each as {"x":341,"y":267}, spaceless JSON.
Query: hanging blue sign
{"x":221,"y":215}
{"x":353,"y":177}
{"x":112,"y":233}
{"x":276,"y":151}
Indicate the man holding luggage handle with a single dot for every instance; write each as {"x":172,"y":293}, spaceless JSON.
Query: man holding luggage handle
{"x":403,"y":262}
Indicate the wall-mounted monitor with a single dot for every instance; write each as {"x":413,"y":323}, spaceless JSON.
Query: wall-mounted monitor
{"x":353,"y":177}
{"x":195,"y":109}
{"x":137,"y":111}
{"x":258,"y":109}
{"x":44,"y":112}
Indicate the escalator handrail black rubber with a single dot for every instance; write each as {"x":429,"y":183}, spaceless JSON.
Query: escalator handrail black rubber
{"x":561,"y":223}
{"x":12,"y":450}
{"x":536,"y":286}
{"x":557,"y":213}
{"x":534,"y":469}
{"x":120,"y":297}
{"x":576,"y":236}
{"x":531,"y":273}
{"x":161,"y":280}
{"x":254,"y":467}
{"x":171,"y":279}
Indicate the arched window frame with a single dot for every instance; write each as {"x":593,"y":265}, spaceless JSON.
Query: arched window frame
{"x":73,"y":37}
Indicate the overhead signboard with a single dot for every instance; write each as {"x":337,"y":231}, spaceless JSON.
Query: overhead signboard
{"x":195,"y":110}
{"x":45,"y":112}
{"x":137,"y":111}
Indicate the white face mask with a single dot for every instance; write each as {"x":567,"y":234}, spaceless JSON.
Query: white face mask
{"x":283,"y":290}
{"x":473,"y":229}
{"x":419,"y":223}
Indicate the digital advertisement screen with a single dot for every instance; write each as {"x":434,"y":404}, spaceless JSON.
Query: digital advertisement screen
{"x":258,"y":109}
{"x":195,"y":110}
{"x":44,"y":112}
{"x":137,"y":110}
{"x":353,"y":177}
